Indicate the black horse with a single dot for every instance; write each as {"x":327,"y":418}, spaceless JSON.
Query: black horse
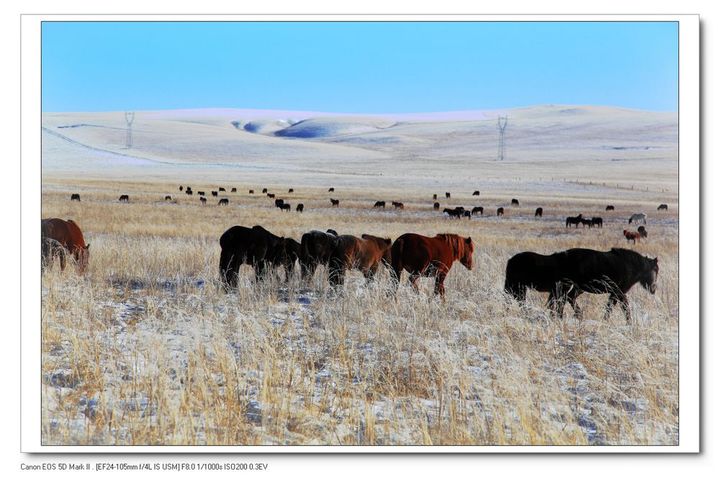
{"x":568,"y":274}
{"x":243,"y":245}
{"x":316,"y":248}
{"x":573,"y":220}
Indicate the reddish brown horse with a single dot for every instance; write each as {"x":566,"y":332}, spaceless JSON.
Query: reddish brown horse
{"x":68,"y":235}
{"x":430,"y":257}
{"x":364,"y":254}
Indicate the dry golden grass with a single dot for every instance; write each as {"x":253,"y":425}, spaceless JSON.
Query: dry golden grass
{"x":147,"y":349}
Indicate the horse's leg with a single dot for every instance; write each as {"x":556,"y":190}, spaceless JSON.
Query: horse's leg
{"x":572,"y":299}
{"x":440,"y":283}
{"x":414,"y":276}
{"x":625,"y":305}
{"x":612,"y":300}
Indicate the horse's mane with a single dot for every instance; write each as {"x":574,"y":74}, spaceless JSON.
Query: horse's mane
{"x":630,"y":256}
{"x":455,"y":242}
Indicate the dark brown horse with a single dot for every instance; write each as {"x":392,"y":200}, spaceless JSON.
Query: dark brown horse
{"x":124,"y":198}
{"x":539,"y":212}
{"x":300,"y":208}
{"x":316,"y":247}
{"x":380,"y":203}
{"x":436,"y":206}
{"x":515,"y":202}
{"x":632,"y":236}
{"x":77,"y":197}
{"x":364,"y":254}
{"x":476,"y":210}
{"x":500,"y":212}
{"x":477,"y":192}
{"x":335,"y":202}
{"x":609,"y":207}
{"x":430,"y":257}
{"x":576,"y":221}
{"x":243,"y":245}
{"x":68,"y":234}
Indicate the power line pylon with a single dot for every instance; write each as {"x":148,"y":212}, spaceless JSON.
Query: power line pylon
{"x":501,"y":123}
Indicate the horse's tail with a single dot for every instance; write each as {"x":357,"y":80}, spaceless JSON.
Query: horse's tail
{"x":514,"y":286}
{"x":396,"y":259}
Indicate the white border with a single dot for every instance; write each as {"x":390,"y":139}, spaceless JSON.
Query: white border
{"x":689,"y":155}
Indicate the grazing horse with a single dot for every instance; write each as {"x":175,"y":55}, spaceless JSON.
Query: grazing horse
{"x":613,"y":272}
{"x":609,"y":207}
{"x":200,"y":192}
{"x":285,"y":255}
{"x":364,"y":254}
{"x":315,"y":249}
{"x":596,"y":222}
{"x":68,"y":234}
{"x":456,"y":212}
{"x":447,"y":195}
{"x":221,"y":189}
{"x":500,"y":212}
{"x":251,"y":191}
{"x":168,"y":198}
{"x":573,"y":220}
{"x":477,"y":192}
{"x":181,"y":188}
{"x":75,"y":197}
{"x":188,"y":190}
{"x":299,"y":207}
{"x":224,"y":201}
{"x":568,"y":274}
{"x":637,"y":218}
{"x":264,"y":191}
{"x":234,"y":189}
{"x":398,"y":205}
{"x":434,"y":196}
{"x":331,"y":189}
{"x":270,"y":196}
{"x":436,"y":206}
{"x":290,"y":191}
{"x":467,"y":213}
{"x":660,"y":207}
{"x":279,"y":202}
{"x":203,"y":200}
{"x":642,"y":231}
{"x":586,"y":222}
{"x":335,"y":202}
{"x":285,"y":206}
{"x":515,"y":202}
{"x":124,"y":198}
{"x":380,"y":203}
{"x":479,"y":209}
{"x":539,"y":212}
{"x":243,"y":245}
{"x":50,"y":250}
{"x":214,"y":193}
{"x":430,"y":257}
{"x":632,"y":236}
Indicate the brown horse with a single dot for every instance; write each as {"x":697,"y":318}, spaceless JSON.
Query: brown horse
{"x":68,"y":234}
{"x":430,"y":257}
{"x":632,"y":236}
{"x":364,"y":254}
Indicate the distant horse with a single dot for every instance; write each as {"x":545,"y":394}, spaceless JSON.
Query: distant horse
{"x":168,"y":198}
{"x":662,"y":207}
{"x":467,"y":213}
{"x":515,"y":202}
{"x":436,"y":206}
{"x":188,"y":190}
{"x":203,"y":200}
{"x":181,"y":188}
{"x":223,"y":201}
{"x":200,"y":192}
{"x":264,"y":191}
{"x":500,"y":212}
{"x":586,"y":222}
{"x":315,"y":249}
{"x":75,"y":197}
{"x":609,"y":207}
{"x":539,"y":212}
{"x":221,"y":189}
{"x":638,"y":218}
{"x":335,"y":202}
{"x":430,"y":257}
{"x":299,"y":207}
{"x":565,"y":275}
{"x":434,"y":196}
{"x":124,"y":198}
{"x":573,"y":221}
{"x":632,"y":236}
{"x":285,"y":256}
{"x":50,"y":250}
{"x":642,"y":231}
{"x":290,"y":191}
{"x":477,"y":192}
{"x":447,"y":195}
{"x":331,"y":189}
{"x":476,"y":210}
{"x":68,"y":234}
{"x":454,"y":212}
{"x":380,"y":203}
{"x":270,"y":196}
{"x":596,"y":222}
{"x":364,"y":254}
{"x":285,"y":206}
{"x":234,"y":189}
{"x":279,"y":202}
{"x":251,"y":191}
{"x":398,"y":205}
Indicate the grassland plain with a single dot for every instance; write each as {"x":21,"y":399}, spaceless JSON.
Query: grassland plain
{"x":147,"y":349}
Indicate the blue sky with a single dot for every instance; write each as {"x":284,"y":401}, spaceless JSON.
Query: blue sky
{"x":360,"y":67}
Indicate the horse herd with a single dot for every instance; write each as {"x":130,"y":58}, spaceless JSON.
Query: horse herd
{"x":565,"y":275}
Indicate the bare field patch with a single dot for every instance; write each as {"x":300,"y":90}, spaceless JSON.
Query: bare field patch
{"x":147,"y":349}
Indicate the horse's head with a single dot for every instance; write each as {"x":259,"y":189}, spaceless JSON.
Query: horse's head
{"x":649,"y":275}
{"x":82,"y":256}
{"x":466,"y":252}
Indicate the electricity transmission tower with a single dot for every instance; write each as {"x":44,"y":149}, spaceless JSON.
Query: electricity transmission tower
{"x":501,"y":123}
{"x":129,"y":118}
